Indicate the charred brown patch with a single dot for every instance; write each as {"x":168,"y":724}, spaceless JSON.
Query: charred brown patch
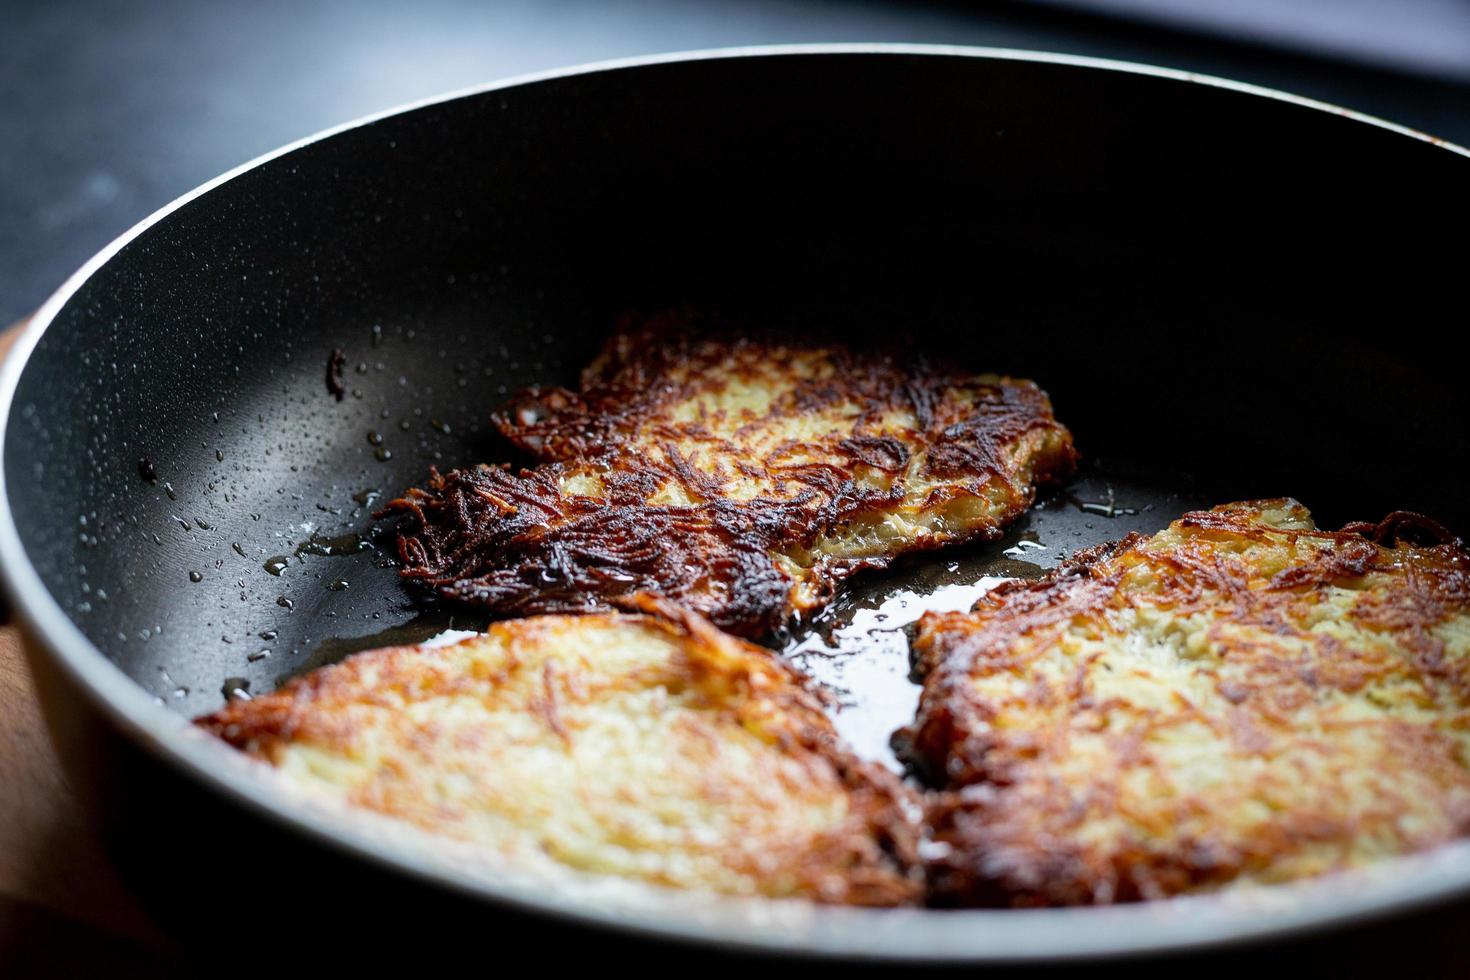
{"x":516,"y":544}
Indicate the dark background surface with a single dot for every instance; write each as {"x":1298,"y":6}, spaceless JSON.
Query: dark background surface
{"x":110,"y":109}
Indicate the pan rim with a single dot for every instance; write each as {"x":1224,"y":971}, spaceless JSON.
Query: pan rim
{"x":976,"y":936}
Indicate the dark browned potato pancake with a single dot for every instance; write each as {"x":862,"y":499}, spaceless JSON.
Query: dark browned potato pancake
{"x":1240,"y":698}
{"x":636,"y":746}
{"x":739,"y":476}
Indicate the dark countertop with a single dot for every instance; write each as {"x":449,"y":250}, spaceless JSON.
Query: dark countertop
{"x":112,"y":108}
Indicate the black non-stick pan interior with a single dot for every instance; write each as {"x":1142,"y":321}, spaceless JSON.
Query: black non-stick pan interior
{"x":1226,"y":295}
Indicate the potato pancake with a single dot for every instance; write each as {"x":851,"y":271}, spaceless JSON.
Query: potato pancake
{"x":740,"y":475}
{"x":1240,"y":698}
{"x":646,"y":747}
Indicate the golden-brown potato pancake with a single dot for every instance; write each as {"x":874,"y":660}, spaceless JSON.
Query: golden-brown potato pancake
{"x":637,"y":746}
{"x":741,"y":476}
{"x":1240,"y":698}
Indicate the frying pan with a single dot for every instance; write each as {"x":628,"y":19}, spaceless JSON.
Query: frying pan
{"x":1228,"y":292}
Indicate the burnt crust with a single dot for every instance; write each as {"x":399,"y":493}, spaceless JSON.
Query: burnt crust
{"x":1345,"y":721}
{"x":514,"y":544}
{"x":732,"y":520}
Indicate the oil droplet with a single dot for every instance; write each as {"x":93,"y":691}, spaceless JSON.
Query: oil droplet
{"x":267,"y":635}
{"x":235,"y":689}
{"x":219,"y":455}
{"x":276,"y":564}
{"x":438,"y":426}
{"x":337,"y":585}
{"x":238,"y":550}
{"x":257,"y":656}
{"x":1105,"y":508}
{"x":195,"y":577}
{"x":366,"y":497}
{"x":168,"y":488}
{"x":383,"y":454}
{"x":285,"y":603}
{"x":347,"y":544}
{"x":375,"y":438}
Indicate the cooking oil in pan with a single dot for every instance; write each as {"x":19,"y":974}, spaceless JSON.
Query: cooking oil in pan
{"x":857,"y":650}
{"x":865,"y":663}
